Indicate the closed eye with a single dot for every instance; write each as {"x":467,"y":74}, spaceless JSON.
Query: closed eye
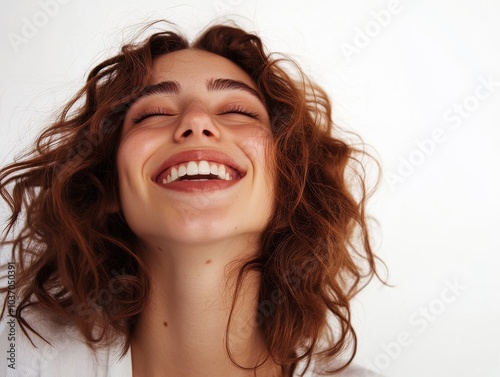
{"x":242,"y":111}
{"x":148,"y":114}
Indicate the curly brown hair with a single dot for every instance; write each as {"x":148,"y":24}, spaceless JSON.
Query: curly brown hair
{"x":77,"y":258}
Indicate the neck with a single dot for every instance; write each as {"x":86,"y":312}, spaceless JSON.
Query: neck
{"x":183,"y":329}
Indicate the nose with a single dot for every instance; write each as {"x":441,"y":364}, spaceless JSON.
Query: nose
{"x":196,"y":122}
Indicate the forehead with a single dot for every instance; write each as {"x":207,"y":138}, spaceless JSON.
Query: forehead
{"x":195,"y":65}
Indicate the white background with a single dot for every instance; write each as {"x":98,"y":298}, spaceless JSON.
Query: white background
{"x":397,"y":86}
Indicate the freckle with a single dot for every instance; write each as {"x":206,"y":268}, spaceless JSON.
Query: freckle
{"x":159,"y":248}
{"x":208,"y":261}
{"x":165,"y":323}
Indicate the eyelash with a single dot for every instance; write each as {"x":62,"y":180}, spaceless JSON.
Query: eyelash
{"x":149,"y":113}
{"x":243,"y":111}
{"x":158,"y":111}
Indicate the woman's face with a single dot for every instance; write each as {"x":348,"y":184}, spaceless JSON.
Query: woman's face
{"x":192,"y":160}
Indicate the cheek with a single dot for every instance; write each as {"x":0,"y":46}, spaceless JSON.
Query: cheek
{"x":135,"y":149}
{"x":130,"y":159}
{"x":132,"y":155}
{"x":125,"y":167}
{"x":258,"y":146}
{"x":124,"y":161}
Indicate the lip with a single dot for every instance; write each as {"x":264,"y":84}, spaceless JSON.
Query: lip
{"x":198,"y":155}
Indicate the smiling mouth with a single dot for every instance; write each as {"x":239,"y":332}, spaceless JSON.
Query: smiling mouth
{"x":198,"y":171}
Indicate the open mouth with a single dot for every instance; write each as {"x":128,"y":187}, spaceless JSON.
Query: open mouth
{"x":198,"y":171}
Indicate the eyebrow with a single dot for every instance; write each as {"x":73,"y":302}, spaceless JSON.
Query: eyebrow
{"x":213,"y":85}
{"x":165,"y":87}
{"x":229,"y":84}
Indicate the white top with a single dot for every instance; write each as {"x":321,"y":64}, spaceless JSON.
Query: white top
{"x":69,"y":356}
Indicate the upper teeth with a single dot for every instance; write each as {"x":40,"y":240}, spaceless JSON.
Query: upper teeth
{"x":198,"y":168}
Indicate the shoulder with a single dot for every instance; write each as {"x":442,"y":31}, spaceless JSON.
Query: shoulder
{"x":65,"y":353}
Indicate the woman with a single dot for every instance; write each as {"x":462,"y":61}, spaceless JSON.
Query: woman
{"x":191,"y":212}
